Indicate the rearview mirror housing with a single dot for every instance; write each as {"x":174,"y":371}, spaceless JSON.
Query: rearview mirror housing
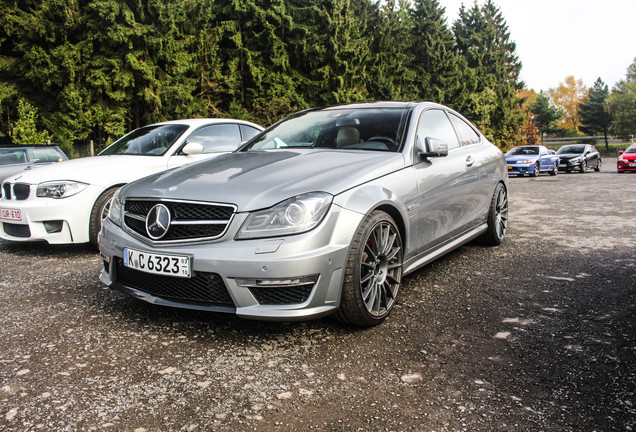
{"x":192,"y":148}
{"x":432,"y":147}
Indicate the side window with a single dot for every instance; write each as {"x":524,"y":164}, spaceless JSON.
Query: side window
{"x":248,"y":132}
{"x":467,"y":134}
{"x":217,"y":138}
{"x":435,"y":124}
{"x":45,"y":155}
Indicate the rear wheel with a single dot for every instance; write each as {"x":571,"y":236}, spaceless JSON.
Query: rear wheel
{"x":373,"y":273}
{"x":497,"y":217}
{"x":99,"y":213}
{"x":598,"y":166}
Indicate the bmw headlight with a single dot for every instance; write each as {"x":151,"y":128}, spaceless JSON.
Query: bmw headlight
{"x":114,"y":212}
{"x":293,"y":216}
{"x":60,"y":189}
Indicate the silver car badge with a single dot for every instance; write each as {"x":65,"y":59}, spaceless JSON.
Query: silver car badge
{"x":158,"y":221}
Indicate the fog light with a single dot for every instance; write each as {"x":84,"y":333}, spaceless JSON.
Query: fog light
{"x":277,"y":283}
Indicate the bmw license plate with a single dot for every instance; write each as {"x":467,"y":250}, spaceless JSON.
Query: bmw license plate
{"x":167,"y":265}
{"x":10,"y":214}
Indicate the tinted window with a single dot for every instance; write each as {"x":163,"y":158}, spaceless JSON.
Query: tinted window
{"x":435,"y":124}
{"x":217,"y":138}
{"x":148,"y":140}
{"x":248,"y":132}
{"x":467,"y":134}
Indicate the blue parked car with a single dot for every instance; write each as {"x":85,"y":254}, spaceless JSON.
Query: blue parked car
{"x":532,"y":160}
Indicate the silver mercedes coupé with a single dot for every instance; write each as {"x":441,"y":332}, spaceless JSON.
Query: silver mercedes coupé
{"x":322,"y":213}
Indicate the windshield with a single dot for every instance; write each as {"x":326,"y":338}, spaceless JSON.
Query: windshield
{"x":524,"y":151}
{"x":149,"y":140}
{"x":378,"y":129}
{"x":630,"y":149}
{"x":572,"y":149}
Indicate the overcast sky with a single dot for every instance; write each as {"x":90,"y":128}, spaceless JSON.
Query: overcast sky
{"x":556,"y":38}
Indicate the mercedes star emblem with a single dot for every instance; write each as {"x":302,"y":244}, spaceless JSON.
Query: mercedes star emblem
{"x":158,"y":221}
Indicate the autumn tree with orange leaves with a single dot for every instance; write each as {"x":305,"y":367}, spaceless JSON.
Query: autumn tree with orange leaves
{"x":567,"y":98}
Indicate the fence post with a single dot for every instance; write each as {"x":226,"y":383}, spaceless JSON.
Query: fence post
{"x":91,"y":149}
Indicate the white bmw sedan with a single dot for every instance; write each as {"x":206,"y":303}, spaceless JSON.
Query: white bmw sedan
{"x":66,"y":202}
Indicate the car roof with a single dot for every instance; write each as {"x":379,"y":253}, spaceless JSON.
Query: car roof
{"x":21,"y":146}
{"x":201,"y":121}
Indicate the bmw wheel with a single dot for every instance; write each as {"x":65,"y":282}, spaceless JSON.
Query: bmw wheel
{"x":99,"y":213}
{"x":497,"y":217}
{"x":374,"y":272}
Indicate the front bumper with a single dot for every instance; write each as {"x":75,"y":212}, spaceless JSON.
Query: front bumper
{"x":566,"y":165}
{"x":627,"y":165}
{"x":56,"y":221}
{"x":520,"y":169}
{"x":278,"y":263}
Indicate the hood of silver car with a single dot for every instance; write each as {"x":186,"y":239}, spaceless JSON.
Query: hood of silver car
{"x":255,"y":180}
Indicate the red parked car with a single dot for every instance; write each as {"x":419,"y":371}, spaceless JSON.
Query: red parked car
{"x":627,"y":159}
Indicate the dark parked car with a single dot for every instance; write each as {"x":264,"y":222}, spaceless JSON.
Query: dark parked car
{"x":579,"y":157}
{"x":16,"y":158}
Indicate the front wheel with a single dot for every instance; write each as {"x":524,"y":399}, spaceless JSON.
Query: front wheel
{"x":99,"y":213}
{"x":555,"y":170}
{"x":583,"y":167}
{"x":497,"y":217}
{"x":374,"y":272}
{"x":535,"y":173}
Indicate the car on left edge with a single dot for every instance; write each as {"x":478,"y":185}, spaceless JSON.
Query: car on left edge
{"x":66,"y":202}
{"x":16,"y":158}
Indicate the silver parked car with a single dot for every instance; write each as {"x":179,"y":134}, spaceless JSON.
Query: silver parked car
{"x":322,"y":213}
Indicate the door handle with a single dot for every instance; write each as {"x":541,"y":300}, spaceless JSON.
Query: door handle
{"x":470,"y":161}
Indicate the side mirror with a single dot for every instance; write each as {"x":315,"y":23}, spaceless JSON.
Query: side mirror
{"x":432,"y":147}
{"x":621,"y":152}
{"x":552,"y":152}
{"x":192,"y":148}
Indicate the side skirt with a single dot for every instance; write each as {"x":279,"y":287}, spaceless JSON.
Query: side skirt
{"x":419,"y":261}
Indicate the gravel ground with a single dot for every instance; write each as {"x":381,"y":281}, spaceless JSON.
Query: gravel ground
{"x":536,"y":334}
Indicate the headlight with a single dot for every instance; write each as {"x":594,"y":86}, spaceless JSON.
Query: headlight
{"x":293,"y":216}
{"x":575,"y":160}
{"x":524,"y":161}
{"x":114,"y":212}
{"x":59,"y":189}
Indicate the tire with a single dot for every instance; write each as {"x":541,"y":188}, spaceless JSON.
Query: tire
{"x":555,"y":171}
{"x":598,"y":166}
{"x":497,"y":217}
{"x":535,"y":173}
{"x":374,"y":272}
{"x":583,"y":167}
{"x":98,"y":213}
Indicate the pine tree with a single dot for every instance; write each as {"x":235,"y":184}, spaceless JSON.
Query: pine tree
{"x":622,"y":104}
{"x":545,"y":116}
{"x":484,"y":41}
{"x":440,"y":70}
{"x":594,"y":116}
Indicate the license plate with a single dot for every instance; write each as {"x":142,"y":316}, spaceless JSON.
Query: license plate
{"x":10,"y":214}
{"x":167,"y":265}
{"x":510,"y":167}
{"x":632,"y":164}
